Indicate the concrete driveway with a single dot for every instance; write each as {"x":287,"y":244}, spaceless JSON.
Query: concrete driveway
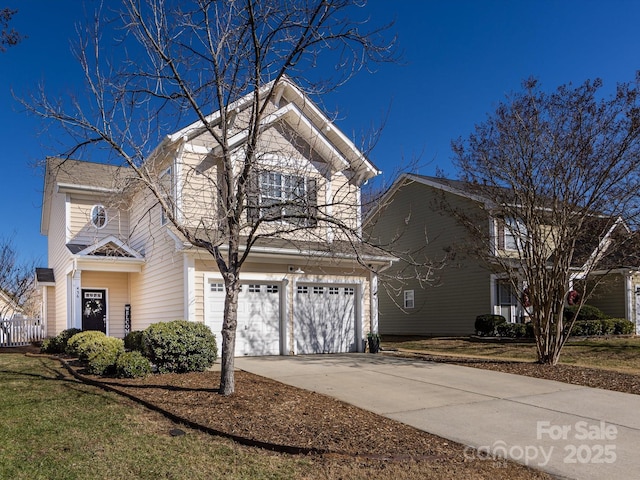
{"x":567,"y":430}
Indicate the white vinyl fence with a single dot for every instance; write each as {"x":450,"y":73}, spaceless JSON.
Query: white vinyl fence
{"x":21,"y":331}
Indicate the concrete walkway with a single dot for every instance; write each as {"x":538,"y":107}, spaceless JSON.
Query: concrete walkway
{"x":567,"y":430}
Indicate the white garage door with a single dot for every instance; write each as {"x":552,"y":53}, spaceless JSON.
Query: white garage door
{"x":324,"y":319}
{"x":258,"y":331}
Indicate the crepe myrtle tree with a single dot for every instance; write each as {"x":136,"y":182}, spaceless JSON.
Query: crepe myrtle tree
{"x":560,"y":174}
{"x":152,"y":66}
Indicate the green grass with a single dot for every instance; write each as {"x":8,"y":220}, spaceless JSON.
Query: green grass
{"x":56,"y":428}
{"x":620,"y":354}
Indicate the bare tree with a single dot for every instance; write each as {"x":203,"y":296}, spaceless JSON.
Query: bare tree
{"x":17,"y":293}
{"x":221,"y":64}
{"x":560,"y":173}
{"x":8,"y":36}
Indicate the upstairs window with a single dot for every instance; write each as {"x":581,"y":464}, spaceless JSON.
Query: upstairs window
{"x":98,"y":216}
{"x":279,"y":196}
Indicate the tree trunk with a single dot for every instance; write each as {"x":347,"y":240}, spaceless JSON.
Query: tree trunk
{"x":227,"y":373}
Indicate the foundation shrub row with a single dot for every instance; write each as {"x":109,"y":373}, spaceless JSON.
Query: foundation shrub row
{"x":179,"y":346}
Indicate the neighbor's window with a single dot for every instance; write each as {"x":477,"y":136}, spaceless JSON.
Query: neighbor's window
{"x":98,"y":216}
{"x":408,"y":299}
{"x":511,"y":234}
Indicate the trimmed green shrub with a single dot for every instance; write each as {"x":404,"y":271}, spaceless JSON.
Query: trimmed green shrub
{"x":487,"y":324}
{"x":512,"y":330}
{"x":180,"y":346}
{"x":58,"y":344}
{"x":623,"y":327}
{"x":103,"y":359}
{"x":132,"y":365}
{"x":84,"y":344}
{"x":607,"y":326}
{"x":133,"y":341}
{"x":587,"y":312}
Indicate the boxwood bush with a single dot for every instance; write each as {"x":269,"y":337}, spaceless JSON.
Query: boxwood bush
{"x":58,"y":344}
{"x":133,"y":341}
{"x":180,"y":346}
{"x":487,"y":324}
{"x":512,"y":330}
{"x":606,"y":326}
{"x":132,"y":365}
{"x":83,"y":344}
{"x":102,"y":360}
{"x":587,"y":312}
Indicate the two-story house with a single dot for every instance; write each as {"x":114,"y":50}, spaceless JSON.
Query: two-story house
{"x":422,"y":212}
{"x":117,"y":264}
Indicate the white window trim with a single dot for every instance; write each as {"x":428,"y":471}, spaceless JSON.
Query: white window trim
{"x":93,"y":216}
{"x":409,"y":299}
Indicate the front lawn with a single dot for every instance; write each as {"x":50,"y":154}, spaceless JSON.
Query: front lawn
{"x":54,"y":427}
{"x":619,"y":354}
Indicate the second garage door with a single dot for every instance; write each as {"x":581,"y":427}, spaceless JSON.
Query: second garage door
{"x":258,"y":331}
{"x":324,"y":318}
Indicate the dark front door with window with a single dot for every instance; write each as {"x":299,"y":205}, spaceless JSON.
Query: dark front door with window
{"x":94,"y":310}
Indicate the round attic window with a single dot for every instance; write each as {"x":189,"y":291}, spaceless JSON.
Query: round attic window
{"x":98,"y":216}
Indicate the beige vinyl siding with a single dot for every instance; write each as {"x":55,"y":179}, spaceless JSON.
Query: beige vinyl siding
{"x":197,"y":190}
{"x":344,"y":200}
{"x":59,"y":258}
{"x":83,"y":232}
{"x":157,"y":293}
{"x":609,"y":296}
{"x":412,"y":219}
{"x":117,"y":286}
{"x":50,"y":312}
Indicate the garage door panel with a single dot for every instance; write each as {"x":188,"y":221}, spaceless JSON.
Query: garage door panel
{"x":258,"y":330}
{"x":324,"y":319}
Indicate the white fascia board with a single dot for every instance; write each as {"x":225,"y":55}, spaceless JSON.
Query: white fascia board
{"x":603,"y":245}
{"x":354,"y":155}
{"x":197,"y":128}
{"x":71,"y":188}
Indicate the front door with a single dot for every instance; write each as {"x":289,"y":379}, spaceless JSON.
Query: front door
{"x":94,"y":310}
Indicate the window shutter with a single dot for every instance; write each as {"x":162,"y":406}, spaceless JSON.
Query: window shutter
{"x":253,"y":198}
{"x":312,"y":197}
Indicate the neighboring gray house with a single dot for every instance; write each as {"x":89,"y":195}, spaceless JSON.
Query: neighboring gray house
{"x":411,"y":215}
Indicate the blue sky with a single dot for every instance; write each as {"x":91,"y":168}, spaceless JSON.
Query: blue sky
{"x":460,"y":58}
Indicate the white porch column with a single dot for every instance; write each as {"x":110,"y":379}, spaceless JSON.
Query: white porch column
{"x":285,"y":344}
{"x":76,"y":302}
{"x":359,"y":306}
{"x":189,"y":288}
{"x":373,"y":302}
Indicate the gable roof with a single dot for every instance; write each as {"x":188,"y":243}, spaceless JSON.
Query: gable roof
{"x":107,"y":247}
{"x":302,"y":115}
